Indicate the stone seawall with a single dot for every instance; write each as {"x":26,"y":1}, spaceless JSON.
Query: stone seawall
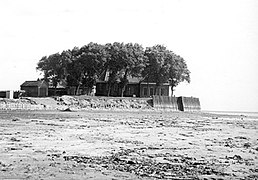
{"x":75,"y":102}
{"x":92,"y":102}
{"x":106,"y":102}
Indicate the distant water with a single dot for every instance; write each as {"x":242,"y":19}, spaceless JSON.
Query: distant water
{"x":239,"y":113}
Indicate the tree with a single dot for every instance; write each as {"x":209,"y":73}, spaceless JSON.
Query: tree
{"x":86,"y":66}
{"x":93,"y":58}
{"x":53,"y":67}
{"x":114,"y":63}
{"x":165,"y":66}
{"x":133,"y":63}
{"x":74,"y":69}
{"x":157,"y":67}
{"x":124,"y":60}
{"x":178,"y":71}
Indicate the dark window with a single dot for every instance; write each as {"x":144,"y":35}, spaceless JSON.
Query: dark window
{"x":162,"y":91}
{"x":130,"y":90}
{"x":151,"y":91}
{"x":115,"y":87}
{"x":145,"y":91}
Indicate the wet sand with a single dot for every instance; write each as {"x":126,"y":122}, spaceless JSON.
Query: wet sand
{"x":127,"y":145}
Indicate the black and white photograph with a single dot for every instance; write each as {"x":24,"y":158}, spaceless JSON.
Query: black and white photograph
{"x":128,"y":89}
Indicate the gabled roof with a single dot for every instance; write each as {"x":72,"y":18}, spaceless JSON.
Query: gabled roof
{"x":32,"y":83}
{"x":134,"y":79}
{"x":105,"y":75}
{"x":60,"y":85}
{"x":131,"y":80}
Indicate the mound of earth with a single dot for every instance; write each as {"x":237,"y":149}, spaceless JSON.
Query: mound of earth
{"x":75,"y":103}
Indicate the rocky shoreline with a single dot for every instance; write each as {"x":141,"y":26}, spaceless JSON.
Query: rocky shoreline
{"x":75,"y":103}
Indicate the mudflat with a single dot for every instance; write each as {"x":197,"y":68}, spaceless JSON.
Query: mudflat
{"x":94,"y":144}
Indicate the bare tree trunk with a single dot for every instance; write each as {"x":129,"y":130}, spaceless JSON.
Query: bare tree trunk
{"x":124,"y":83}
{"x":79,"y":85}
{"x":109,"y":89}
{"x":111,"y":82}
{"x":122,"y":91}
{"x":77,"y":90}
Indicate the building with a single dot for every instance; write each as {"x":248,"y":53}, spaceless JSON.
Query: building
{"x":136,"y":87}
{"x":7,"y":94}
{"x":59,"y":90}
{"x":35,"y":88}
{"x":148,"y":89}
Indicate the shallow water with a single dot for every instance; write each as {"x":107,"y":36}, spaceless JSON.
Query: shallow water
{"x":238,"y":113}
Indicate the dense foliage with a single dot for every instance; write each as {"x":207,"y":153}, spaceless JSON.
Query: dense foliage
{"x":81,"y":67}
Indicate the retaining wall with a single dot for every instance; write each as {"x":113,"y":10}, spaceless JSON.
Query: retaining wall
{"x":75,"y":102}
{"x":177,"y":103}
{"x":165,"y":102}
{"x":84,"y":102}
{"x":189,"y":104}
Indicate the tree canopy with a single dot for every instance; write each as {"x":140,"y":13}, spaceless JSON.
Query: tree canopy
{"x":53,"y":67}
{"x":82,"y":67}
{"x":165,"y":66}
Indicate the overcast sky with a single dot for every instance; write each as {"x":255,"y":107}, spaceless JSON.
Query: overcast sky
{"x":217,"y":38}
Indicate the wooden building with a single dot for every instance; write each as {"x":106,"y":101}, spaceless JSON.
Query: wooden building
{"x":136,"y":87}
{"x":35,"y":88}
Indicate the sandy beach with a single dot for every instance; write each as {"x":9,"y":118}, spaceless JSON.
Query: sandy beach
{"x":104,"y":144}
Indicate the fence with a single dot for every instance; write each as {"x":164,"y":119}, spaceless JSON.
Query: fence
{"x":177,"y":103}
